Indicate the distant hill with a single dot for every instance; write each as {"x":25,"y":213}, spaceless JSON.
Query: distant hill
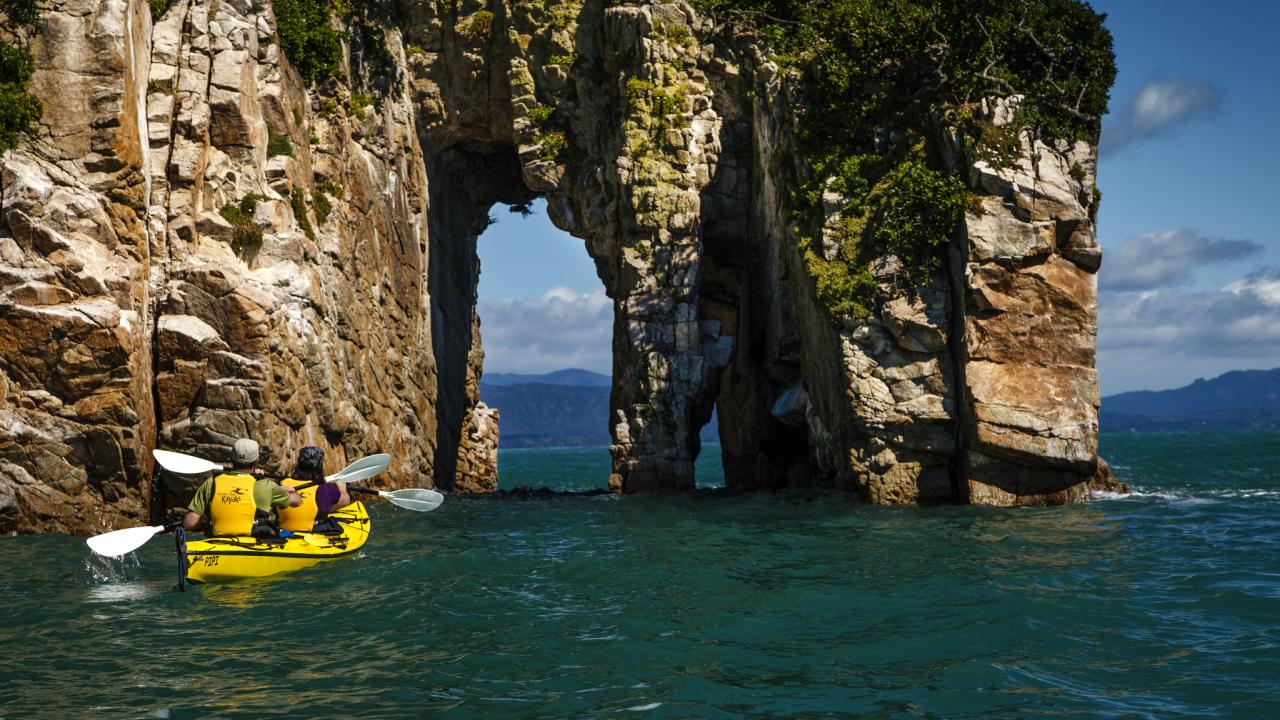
{"x":1237,"y":399}
{"x":562,"y":408}
{"x":545,"y":415}
{"x":571,"y":376}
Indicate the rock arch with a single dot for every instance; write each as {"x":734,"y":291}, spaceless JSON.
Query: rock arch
{"x":567,"y":107}
{"x":196,"y":244}
{"x":671,"y":154}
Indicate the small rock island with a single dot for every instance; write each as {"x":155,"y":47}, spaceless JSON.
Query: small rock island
{"x":862,"y":232}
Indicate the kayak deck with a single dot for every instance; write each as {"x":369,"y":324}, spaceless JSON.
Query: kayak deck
{"x":221,"y":559}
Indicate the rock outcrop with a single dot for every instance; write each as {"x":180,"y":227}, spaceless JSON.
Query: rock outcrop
{"x":672,"y":159}
{"x":197,"y":245}
{"x":138,"y":310}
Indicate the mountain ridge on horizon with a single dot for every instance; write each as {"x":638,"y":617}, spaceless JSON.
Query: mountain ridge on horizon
{"x":570,"y":406}
{"x":568,"y":376}
{"x":562,"y":408}
{"x":1234,"y":399}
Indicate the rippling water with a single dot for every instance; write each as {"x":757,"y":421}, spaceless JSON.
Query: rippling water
{"x":1159,"y":605}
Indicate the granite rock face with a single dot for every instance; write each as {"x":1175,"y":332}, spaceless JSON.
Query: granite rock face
{"x":668,"y":147}
{"x":197,"y":246}
{"x":136,"y":314}
{"x":478,"y":455}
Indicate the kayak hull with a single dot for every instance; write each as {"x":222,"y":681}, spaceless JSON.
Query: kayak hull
{"x":223,"y":559}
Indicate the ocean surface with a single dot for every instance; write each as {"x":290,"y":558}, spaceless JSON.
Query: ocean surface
{"x":1162,"y":604}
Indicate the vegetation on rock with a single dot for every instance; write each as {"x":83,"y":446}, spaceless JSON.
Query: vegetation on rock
{"x":654,"y":110}
{"x":159,"y":8}
{"x":478,"y":27}
{"x":246,"y":236}
{"x":884,"y":80}
{"x":298,"y":201}
{"x":278,"y":144}
{"x":320,"y":198}
{"x":308,"y":38}
{"x":553,"y":143}
{"x":359,"y":103}
{"x":19,"y":109}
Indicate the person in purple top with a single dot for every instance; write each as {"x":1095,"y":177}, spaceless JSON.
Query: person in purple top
{"x":318,"y":500}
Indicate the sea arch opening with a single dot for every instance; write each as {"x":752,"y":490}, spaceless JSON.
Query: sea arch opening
{"x":473,"y":183}
{"x":686,"y":334}
{"x":546,"y":325}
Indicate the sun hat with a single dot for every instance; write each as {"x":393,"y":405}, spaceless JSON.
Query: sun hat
{"x":244,"y":452}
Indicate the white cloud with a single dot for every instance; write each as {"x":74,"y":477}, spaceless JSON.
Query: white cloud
{"x":1240,"y":320}
{"x":561,"y":329}
{"x":1166,"y":258}
{"x":1157,"y":108}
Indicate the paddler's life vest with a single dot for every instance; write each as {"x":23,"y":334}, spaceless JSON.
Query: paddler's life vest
{"x":233,"y":509}
{"x":303,"y":517}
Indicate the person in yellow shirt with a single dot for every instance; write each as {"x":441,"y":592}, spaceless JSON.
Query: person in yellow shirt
{"x":238,"y":501}
{"x":318,"y":500}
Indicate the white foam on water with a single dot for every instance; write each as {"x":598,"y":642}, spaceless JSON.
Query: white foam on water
{"x":643,"y":708}
{"x":1137,"y":494}
{"x":120,"y":592}
{"x":110,"y":570}
{"x":1202,"y":496}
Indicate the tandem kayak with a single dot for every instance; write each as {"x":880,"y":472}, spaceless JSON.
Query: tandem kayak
{"x":220,"y":559}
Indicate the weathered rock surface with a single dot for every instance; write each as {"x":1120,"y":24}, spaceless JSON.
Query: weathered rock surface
{"x":130,"y":319}
{"x":134,"y":311}
{"x":671,"y":158}
{"x":478,"y":453}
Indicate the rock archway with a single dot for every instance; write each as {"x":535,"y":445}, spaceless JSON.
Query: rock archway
{"x":202,"y":240}
{"x":575,"y":103}
{"x":668,"y":147}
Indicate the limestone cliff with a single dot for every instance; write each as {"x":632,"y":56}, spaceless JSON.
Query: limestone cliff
{"x":667,"y":143}
{"x":196,"y":249}
{"x":202,"y":241}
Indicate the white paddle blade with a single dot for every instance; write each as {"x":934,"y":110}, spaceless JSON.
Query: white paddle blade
{"x":362,"y":469}
{"x":122,"y":542}
{"x":183,"y":464}
{"x":419,"y":499}
{"x":354,"y":476}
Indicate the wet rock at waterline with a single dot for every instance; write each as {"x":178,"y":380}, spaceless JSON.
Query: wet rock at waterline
{"x":199,"y":244}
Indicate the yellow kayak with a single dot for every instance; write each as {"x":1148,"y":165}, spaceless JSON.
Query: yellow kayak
{"x":219,"y":559}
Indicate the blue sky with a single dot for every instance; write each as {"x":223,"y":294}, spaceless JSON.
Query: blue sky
{"x":1190,"y":285}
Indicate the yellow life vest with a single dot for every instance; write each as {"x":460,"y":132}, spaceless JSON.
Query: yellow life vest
{"x":233,"y":509}
{"x":303,"y":517}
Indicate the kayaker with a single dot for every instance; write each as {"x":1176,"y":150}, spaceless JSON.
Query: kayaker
{"x":318,"y":500}
{"x":238,"y":502}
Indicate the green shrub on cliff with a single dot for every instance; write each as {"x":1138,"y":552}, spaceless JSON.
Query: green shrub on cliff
{"x":360,"y":102}
{"x":882,"y":79}
{"x":320,"y":198}
{"x":308,"y":38}
{"x":246,"y":236}
{"x":478,"y":27}
{"x":278,"y":144}
{"x":159,"y":8}
{"x":298,"y":201}
{"x":20,"y":15}
{"x":19,"y":109}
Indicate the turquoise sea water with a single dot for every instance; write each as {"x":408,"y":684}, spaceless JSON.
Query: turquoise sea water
{"x":1163,"y":604}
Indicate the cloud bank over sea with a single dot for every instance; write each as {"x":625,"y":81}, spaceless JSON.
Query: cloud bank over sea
{"x":561,"y":328}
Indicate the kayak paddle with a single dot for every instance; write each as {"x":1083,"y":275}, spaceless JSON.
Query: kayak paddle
{"x":122,"y":542}
{"x":419,"y":499}
{"x":183,"y":464}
